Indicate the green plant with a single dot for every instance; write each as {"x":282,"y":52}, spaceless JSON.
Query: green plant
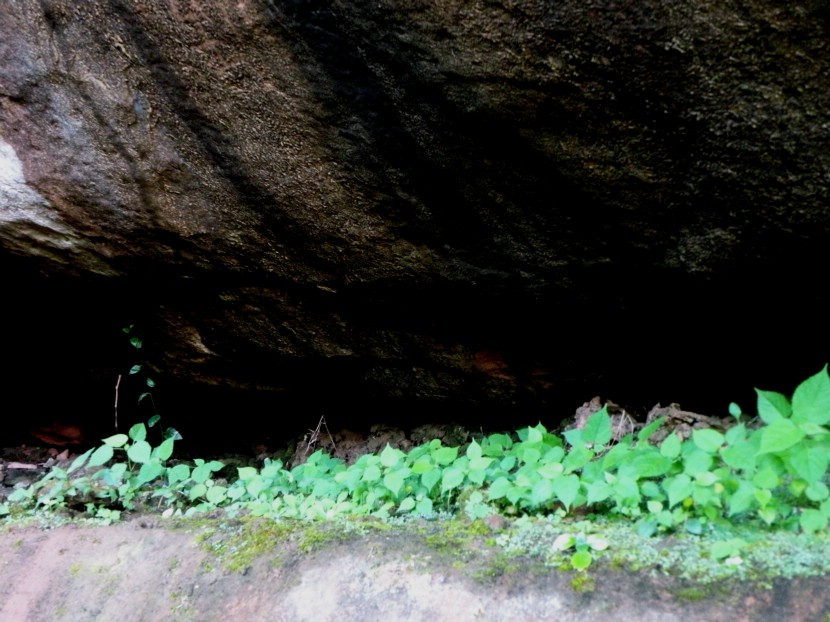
{"x":137,"y":342}
{"x":583,"y":545}
{"x":774,"y":474}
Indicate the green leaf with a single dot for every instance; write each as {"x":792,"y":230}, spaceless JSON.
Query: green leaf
{"x":809,"y":461}
{"x":150,"y":382}
{"x":430,"y":478}
{"x":721,"y":549}
{"x":811,"y":400}
{"x":597,"y":429}
{"x":496,"y":444}
{"x":255,"y":486}
{"x":554,"y":454}
{"x":566,"y":489}
{"x":706,"y":478}
{"x":480,"y":464}
{"x":407,"y":505}
{"x":735,"y":410}
{"x":740,"y":456}
{"x":117,"y":440}
{"x":139,"y":452}
{"x":768,"y":514}
{"x":577,"y":458}
{"x":763,"y":496}
{"x":735,"y":434}
{"x":645,"y":434}
{"x":552,"y":470}
{"x":389,"y":457}
{"x":812,"y":521}
{"x":148,"y":472}
{"x":574,"y":437}
{"x":530,"y":455}
{"x":542,"y":492}
{"x":678,"y":488}
{"x":534,"y":435}
{"x":216,"y":494}
{"x":626,"y":491}
{"x":101,"y":456}
{"x":766,"y":478}
{"x":742,"y":499}
{"x":445,"y":455}
{"x":779,"y":435}
{"x":245,"y":473}
{"x":165,"y":450}
{"x":581,"y":560}
{"x":136,"y":342}
{"x":647,"y":526}
{"x":648,"y":462}
{"x":78,"y":462}
{"x":422,"y":466}
{"x":138,"y":432}
{"x":812,"y":429}
{"x":135,"y":369}
{"x":671,"y":445}
{"x":599,"y":491}
{"x":597,"y":543}
{"x":115,"y":473}
{"x":178,"y":473}
{"x":197,"y":491}
{"x":708,"y":440}
{"x":817,"y":491}
{"x":424,"y":507}
{"x":394,"y":482}
{"x":473,"y":450}
{"x":201,"y":473}
{"x":697,"y":461}
{"x":564,"y":541}
{"x":693,"y":526}
{"x":451,"y":479}
{"x":153,"y":420}
{"x":372,"y":473}
{"x":617,"y":455}
{"x":499,"y":488}
{"x":651,"y":489}
{"x":507,"y":463}
{"x":772,"y":406}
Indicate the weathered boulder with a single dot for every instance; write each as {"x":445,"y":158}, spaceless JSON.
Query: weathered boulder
{"x":410,"y":206}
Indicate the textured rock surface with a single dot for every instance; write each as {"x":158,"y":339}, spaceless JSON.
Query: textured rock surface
{"x":148,"y":569}
{"x":414,"y":205}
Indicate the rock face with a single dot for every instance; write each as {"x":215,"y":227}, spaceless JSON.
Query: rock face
{"x":413,"y":207}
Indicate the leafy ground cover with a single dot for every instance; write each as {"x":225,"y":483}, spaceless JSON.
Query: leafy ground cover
{"x":773,"y":472}
{"x":747,"y":504}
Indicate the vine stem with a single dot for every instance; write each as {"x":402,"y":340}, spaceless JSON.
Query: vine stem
{"x":117,"y":383}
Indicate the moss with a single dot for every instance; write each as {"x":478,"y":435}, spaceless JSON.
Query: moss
{"x":691,"y":594}
{"x":763,"y":555}
{"x":498,"y":565}
{"x":314,"y":537}
{"x":236,"y":547}
{"x":583,"y":583}
{"x":455,"y":536}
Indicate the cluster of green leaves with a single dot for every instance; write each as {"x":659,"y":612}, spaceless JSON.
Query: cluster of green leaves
{"x":104,"y":490}
{"x":774,"y":472}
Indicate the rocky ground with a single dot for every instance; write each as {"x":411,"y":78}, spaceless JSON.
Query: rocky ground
{"x":215,"y":569}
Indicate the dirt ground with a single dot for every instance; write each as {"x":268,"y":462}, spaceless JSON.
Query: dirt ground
{"x":145,"y":569}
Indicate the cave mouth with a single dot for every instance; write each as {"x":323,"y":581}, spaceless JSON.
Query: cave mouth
{"x":697,"y":345}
